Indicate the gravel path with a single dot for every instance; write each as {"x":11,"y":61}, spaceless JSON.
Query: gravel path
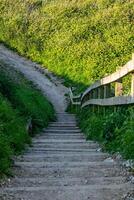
{"x":51,"y":87}
{"x":61,"y":164}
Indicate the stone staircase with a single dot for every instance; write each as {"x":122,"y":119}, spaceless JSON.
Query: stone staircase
{"x":62,"y":165}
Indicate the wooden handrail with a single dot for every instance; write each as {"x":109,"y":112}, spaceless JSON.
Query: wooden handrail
{"x":93,"y":94}
{"x":72,"y":97}
{"x":125,"y":70}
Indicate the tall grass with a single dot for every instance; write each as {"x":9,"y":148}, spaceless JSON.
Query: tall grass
{"x":19,"y":101}
{"x":78,"y":40}
{"x":114,"y":130}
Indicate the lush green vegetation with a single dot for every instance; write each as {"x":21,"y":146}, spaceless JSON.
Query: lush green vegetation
{"x":79,"y":40}
{"x":19,"y":101}
{"x":114,"y":130}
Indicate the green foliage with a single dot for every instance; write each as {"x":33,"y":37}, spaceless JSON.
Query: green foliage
{"x":13,"y":135}
{"x":25,"y":97}
{"x":12,"y":126}
{"x":80,"y":41}
{"x":114,"y":130}
{"x":112,"y":122}
{"x":90,"y":124}
{"x":124,"y":136}
{"x":19,"y":101}
{"x":5,"y":156}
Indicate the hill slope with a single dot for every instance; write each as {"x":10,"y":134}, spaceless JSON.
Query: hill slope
{"x":19,"y":102}
{"x":79,"y":40}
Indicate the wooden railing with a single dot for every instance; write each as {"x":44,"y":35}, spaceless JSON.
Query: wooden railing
{"x":109,"y":90}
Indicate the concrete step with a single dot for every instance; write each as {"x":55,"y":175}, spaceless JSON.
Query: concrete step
{"x":62,"y":157}
{"x":48,"y":150}
{"x":64,"y":164}
{"x":95,"y":192}
{"x":64,"y":113}
{"x":67,"y":141}
{"x":61,"y":136}
{"x":67,"y":123}
{"x":50,"y":130}
{"x":63,"y":127}
{"x":35,"y":182}
{"x":77,"y":187}
{"x":65,"y":153}
{"x":65,"y":145}
{"x":66,"y":120}
{"x":64,"y":172}
{"x":63,"y":116}
{"x":49,"y":133}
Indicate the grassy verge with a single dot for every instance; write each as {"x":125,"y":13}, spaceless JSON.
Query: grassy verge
{"x":79,"y":40}
{"x":19,"y":101}
{"x":114,"y":130}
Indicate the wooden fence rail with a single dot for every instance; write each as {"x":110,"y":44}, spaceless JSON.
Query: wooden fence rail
{"x":102,"y":92}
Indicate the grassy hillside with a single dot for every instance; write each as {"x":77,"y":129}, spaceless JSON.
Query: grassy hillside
{"x":114,"y":130}
{"x":79,"y":40}
{"x":19,"y":101}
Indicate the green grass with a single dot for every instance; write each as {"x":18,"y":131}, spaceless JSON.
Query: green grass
{"x":80,"y":41}
{"x":114,"y":130}
{"x":19,"y":101}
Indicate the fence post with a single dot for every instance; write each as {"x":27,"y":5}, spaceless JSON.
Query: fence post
{"x":106,"y":91}
{"x":132,"y":85}
{"x":118,"y":88}
{"x":132,"y":79}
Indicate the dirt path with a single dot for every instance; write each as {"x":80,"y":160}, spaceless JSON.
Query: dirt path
{"x":61,"y":164}
{"x":50,"y":87}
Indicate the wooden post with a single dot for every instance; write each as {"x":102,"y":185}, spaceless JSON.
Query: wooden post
{"x":132,"y":85}
{"x":118,"y":88}
{"x":94,"y":94}
{"x":93,"y":108}
{"x":106,"y":91}
{"x":88,"y":96}
{"x":99,"y":93}
{"x":132,"y":80}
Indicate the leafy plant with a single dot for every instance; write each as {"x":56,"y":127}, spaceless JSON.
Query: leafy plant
{"x":112,"y":122}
